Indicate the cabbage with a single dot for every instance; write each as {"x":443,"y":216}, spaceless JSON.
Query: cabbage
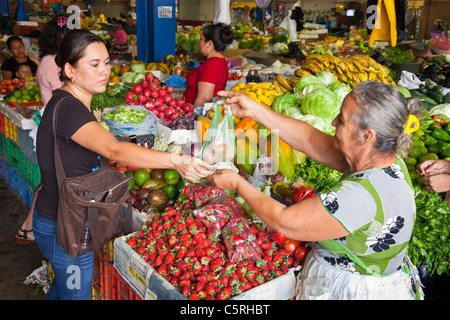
{"x":304,"y":81}
{"x":443,"y":108}
{"x":322,"y":103}
{"x":341,"y":90}
{"x":128,"y":77}
{"x":293,"y":112}
{"x":310,"y":88}
{"x":285,"y":101}
{"x":137,"y":67}
{"x":326,"y":77}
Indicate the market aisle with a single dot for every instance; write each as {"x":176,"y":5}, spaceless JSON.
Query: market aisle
{"x":17,"y":261}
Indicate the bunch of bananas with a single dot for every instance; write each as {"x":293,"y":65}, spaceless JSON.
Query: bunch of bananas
{"x":263,"y":92}
{"x":352,"y":70}
{"x":284,"y":85}
{"x":171,"y":61}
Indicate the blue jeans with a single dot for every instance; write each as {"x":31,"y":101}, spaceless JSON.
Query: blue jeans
{"x":73,"y":276}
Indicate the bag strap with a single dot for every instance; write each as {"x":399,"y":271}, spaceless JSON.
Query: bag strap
{"x":339,"y":248}
{"x":60,"y":172}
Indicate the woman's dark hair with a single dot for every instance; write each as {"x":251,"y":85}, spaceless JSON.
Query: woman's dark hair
{"x":220,"y":34}
{"x":50,"y":38}
{"x":72,"y":48}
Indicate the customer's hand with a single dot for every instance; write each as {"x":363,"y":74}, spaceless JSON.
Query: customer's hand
{"x":437,"y":183}
{"x":192,"y":168}
{"x":240,"y":104}
{"x":432,"y":167}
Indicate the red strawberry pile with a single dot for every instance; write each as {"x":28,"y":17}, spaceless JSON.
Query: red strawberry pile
{"x":157,"y":97}
{"x":202,"y":265}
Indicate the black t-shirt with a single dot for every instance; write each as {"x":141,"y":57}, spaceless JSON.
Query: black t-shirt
{"x":11,"y":66}
{"x":77,"y":160}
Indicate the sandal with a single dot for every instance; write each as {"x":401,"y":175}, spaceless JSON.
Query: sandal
{"x":23,"y":239}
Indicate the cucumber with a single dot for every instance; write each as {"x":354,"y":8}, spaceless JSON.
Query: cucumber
{"x":439,"y":89}
{"x":429,"y":84}
{"x":416,"y":93}
{"x":423,"y":89}
{"x":446,"y":98}
{"x":435,"y":96}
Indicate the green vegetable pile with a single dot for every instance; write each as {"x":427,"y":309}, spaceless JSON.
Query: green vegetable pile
{"x":430,"y":243}
{"x":396,"y":55}
{"x":126,"y":114}
{"x":430,"y":142}
{"x":316,"y":174}
{"x":111,"y":97}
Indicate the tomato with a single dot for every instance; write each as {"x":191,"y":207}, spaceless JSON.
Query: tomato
{"x":278,"y":237}
{"x":300,"y":253}
{"x":290,"y":246}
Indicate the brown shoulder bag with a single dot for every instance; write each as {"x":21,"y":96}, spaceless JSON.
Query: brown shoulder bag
{"x":89,"y":206}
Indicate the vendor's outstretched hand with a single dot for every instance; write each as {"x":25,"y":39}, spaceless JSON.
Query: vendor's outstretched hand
{"x":225,"y":179}
{"x":240,"y":104}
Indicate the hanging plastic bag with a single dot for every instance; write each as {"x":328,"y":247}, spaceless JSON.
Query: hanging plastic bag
{"x":217,"y":212}
{"x":239,"y":240}
{"x":219,"y":145}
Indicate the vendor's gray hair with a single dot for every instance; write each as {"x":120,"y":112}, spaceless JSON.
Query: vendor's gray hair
{"x":385,"y":110}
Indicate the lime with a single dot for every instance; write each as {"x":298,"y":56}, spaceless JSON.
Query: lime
{"x":12,"y":99}
{"x":131,"y":184}
{"x":17,"y":94}
{"x":31,"y":92}
{"x":171,"y":191}
{"x":141,"y":175}
{"x":171,"y":176}
{"x":128,"y":173}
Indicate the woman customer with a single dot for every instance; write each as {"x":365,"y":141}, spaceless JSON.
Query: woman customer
{"x":211,"y":76}
{"x":84,"y":62}
{"x":48,"y":71}
{"x":370,"y":212}
{"x":48,"y":79}
{"x":17,"y":49}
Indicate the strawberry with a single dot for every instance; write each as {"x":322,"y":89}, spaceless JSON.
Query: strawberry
{"x":169,"y":258}
{"x":194,"y":296}
{"x":209,"y":290}
{"x":162,"y":270}
{"x":181,"y":253}
{"x":132,"y":242}
{"x":224,"y":280}
{"x":185,"y":290}
{"x":159,"y":261}
{"x":176,"y":272}
{"x":202,"y":278}
{"x":185,"y":276}
{"x":184,"y":282}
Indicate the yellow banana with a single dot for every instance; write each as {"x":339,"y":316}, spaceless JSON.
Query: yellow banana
{"x":283,"y":82}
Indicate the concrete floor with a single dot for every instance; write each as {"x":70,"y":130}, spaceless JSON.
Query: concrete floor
{"x":16,"y":261}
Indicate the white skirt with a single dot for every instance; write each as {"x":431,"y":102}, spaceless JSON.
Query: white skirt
{"x":318,"y":280}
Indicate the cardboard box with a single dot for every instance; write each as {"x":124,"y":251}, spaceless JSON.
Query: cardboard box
{"x":149,"y":285}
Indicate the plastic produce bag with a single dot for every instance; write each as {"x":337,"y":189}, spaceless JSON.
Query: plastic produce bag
{"x":239,"y":240}
{"x":219,"y":145}
{"x":217,"y":212}
{"x":201,"y":193}
{"x":137,"y":125}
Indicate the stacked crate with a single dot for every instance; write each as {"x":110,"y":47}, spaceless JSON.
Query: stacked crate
{"x":19,"y":166}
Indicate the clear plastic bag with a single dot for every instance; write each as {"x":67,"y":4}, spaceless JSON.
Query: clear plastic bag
{"x":217,"y":212}
{"x":239,"y":240}
{"x":219,"y":145}
{"x":201,"y":193}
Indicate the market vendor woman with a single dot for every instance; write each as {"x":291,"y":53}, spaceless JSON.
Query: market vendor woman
{"x":211,"y":76}
{"x":369,"y":213}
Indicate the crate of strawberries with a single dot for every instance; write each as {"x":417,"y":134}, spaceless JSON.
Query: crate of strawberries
{"x":206,"y":248}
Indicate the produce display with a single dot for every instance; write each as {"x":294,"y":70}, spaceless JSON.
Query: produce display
{"x":25,"y":94}
{"x":187,"y":252}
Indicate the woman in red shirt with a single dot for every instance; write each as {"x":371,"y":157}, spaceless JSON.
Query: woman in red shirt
{"x":211,"y":76}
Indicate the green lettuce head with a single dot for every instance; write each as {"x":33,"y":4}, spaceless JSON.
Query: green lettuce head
{"x":322,"y":103}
